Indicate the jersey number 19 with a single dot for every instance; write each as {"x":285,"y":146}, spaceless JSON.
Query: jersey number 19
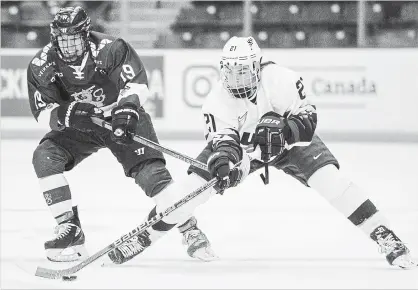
{"x":127,"y":73}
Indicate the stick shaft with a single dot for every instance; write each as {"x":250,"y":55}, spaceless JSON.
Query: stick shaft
{"x":156,"y":146}
{"x":56,"y":274}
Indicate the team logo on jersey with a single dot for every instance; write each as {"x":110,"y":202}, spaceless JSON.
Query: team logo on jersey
{"x":140,"y":151}
{"x":250,"y":42}
{"x":97,"y":111}
{"x":95,"y":50}
{"x":79,"y":74}
{"x":43,"y":57}
{"x":91,"y":95}
{"x":78,"y":69}
{"x":48,"y":198}
{"x":243,"y":118}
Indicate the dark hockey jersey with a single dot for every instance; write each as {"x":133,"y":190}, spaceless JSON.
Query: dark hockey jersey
{"x":110,"y":72}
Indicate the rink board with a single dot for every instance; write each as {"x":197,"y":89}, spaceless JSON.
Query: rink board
{"x":361,"y":94}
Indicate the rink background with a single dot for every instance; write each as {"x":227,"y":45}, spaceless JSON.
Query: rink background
{"x":277,"y":236}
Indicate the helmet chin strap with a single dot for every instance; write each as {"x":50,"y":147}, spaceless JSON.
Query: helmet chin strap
{"x":253,"y":96}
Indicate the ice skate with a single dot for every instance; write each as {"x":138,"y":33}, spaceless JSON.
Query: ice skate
{"x":397,"y":254}
{"x":198,"y":245}
{"x":130,"y":249}
{"x":68,"y":244}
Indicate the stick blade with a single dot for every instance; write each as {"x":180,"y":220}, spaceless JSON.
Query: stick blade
{"x":48,"y":273}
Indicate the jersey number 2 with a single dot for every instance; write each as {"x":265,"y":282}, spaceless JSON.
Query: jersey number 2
{"x":210,"y":122}
{"x":300,"y":87}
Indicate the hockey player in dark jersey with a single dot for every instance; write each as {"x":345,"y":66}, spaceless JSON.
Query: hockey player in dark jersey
{"x":80,"y":74}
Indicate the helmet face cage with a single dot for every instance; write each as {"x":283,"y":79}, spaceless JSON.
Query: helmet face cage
{"x":240,"y":79}
{"x":69,"y":33}
{"x":71,"y":46}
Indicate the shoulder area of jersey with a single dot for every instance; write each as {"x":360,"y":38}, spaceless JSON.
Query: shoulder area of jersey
{"x":103,"y":44}
{"x":218,"y":98}
{"x":271,"y":69}
{"x":100,"y":43}
{"x":41,"y":64}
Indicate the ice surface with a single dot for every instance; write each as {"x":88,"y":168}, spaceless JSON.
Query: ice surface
{"x":277,"y":236}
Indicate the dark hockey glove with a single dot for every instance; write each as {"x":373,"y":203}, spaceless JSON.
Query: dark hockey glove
{"x":77,"y":115}
{"x":124,"y":123}
{"x":269,"y":135}
{"x":220,"y":164}
{"x":301,"y":127}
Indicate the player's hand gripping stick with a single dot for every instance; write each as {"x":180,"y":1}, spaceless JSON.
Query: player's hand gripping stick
{"x":221,"y":167}
{"x":125,"y":120}
{"x":269,"y":136}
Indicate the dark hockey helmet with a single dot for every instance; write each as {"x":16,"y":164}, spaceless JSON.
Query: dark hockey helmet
{"x":69,"y":33}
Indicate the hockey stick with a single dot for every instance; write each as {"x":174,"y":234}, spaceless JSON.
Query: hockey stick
{"x":156,"y":146}
{"x":57,"y":274}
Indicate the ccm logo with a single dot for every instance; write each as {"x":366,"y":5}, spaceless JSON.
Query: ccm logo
{"x":270,"y":121}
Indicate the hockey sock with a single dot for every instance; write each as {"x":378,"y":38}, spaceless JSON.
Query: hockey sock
{"x":177,"y":191}
{"x":57,"y":195}
{"x":347,"y":198}
{"x":170,"y":195}
{"x":190,"y":223}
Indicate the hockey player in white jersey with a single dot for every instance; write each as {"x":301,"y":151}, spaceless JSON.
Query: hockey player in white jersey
{"x":266,"y":108}
{"x":261,"y":109}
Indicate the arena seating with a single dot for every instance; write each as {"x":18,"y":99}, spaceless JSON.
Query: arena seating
{"x":208,"y":24}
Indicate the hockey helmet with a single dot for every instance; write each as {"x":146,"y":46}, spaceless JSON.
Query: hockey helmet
{"x":240,"y":67}
{"x":69,"y":33}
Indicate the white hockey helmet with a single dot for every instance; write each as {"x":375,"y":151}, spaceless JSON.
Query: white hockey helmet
{"x":240,"y":67}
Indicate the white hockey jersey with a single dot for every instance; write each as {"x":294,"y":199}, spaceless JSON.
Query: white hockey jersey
{"x":280,"y":90}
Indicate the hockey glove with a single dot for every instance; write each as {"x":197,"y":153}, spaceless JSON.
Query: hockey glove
{"x":77,"y":115}
{"x":124,"y":123}
{"x":219,"y":165}
{"x":301,"y":127}
{"x":269,"y":135}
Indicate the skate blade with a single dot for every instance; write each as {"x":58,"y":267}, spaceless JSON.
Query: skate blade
{"x":205,"y":255}
{"x":405,"y":262}
{"x":71,"y":254}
